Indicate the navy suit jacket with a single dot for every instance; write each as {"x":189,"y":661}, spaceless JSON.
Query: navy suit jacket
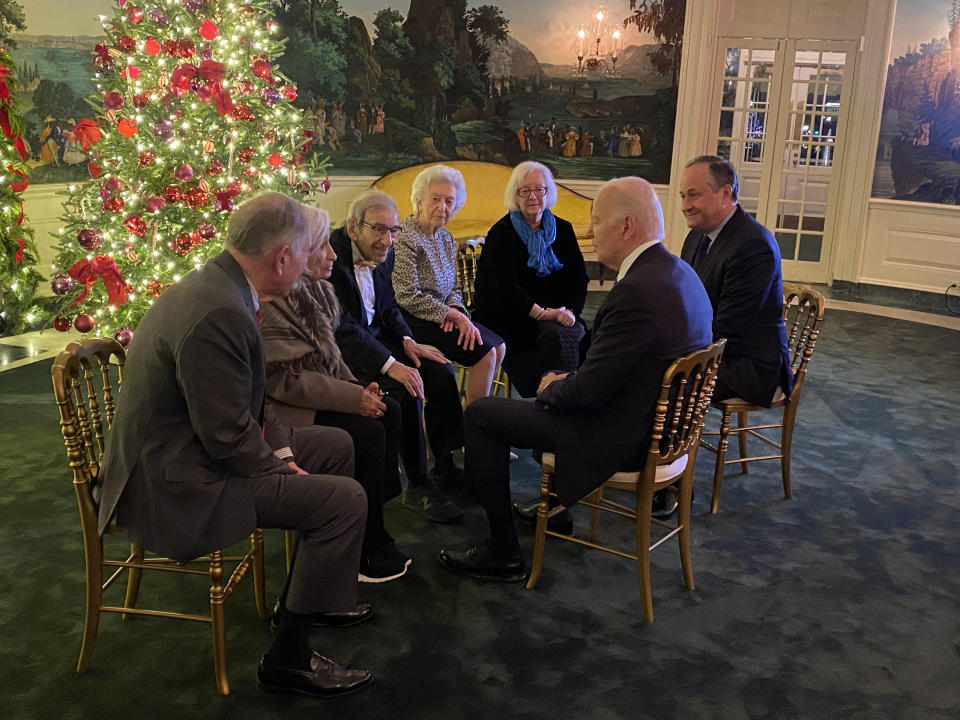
{"x":365,"y":345}
{"x":658,"y":312}
{"x":741,"y":273}
{"x":187,"y":432}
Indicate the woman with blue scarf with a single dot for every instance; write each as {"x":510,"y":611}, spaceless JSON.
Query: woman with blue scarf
{"x":532,"y":282}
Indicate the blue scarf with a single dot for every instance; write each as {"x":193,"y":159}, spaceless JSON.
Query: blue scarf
{"x":542,"y":258}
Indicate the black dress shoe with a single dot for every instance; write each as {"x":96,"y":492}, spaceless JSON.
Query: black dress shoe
{"x":363,"y":612}
{"x":450,"y":479}
{"x":561,"y":523}
{"x":482,"y":563}
{"x":666,"y":502}
{"x":325,"y":678}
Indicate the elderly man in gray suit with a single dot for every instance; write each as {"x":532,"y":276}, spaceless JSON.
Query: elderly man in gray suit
{"x":190,"y":464}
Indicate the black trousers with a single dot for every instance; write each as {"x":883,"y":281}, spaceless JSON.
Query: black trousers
{"x":442,"y":413}
{"x":375,"y":443}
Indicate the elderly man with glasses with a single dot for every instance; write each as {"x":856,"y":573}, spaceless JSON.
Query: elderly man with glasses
{"x":378,"y":345}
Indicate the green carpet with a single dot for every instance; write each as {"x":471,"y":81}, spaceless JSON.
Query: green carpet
{"x":841,"y":603}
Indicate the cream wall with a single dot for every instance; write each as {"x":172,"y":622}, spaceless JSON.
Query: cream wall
{"x":883,"y":242}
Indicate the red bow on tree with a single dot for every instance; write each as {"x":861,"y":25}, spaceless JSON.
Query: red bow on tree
{"x":18,"y":256}
{"x":102,"y":266}
{"x":87,"y":133}
{"x":210,"y":71}
{"x":20,"y":185}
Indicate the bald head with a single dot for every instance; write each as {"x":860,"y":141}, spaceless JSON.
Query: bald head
{"x":626,"y":214}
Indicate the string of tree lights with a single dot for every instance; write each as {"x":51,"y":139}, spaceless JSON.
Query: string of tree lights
{"x":192,"y":118}
{"x":18,"y":253}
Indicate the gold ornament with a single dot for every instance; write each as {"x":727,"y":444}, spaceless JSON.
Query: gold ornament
{"x":208,"y":146}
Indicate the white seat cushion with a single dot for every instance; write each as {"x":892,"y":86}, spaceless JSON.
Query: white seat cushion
{"x":665,"y":473}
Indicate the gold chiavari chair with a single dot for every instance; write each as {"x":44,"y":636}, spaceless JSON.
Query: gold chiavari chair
{"x":86,"y":377}
{"x":685,"y":393}
{"x":803,"y":309}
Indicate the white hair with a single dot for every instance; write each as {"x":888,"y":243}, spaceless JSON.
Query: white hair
{"x":266,"y":221}
{"x":438,"y":174}
{"x":516,"y":177}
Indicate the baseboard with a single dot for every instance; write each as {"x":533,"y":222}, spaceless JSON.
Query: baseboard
{"x":921,"y":300}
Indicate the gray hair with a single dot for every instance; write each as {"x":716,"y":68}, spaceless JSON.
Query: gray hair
{"x":438,"y":174}
{"x":516,"y":177}
{"x":266,"y":221}
{"x":722,"y":173}
{"x":635,"y":196}
{"x":369,"y":200}
{"x":318,"y":222}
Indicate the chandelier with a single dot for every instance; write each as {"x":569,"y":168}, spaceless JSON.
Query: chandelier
{"x":599,"y":44}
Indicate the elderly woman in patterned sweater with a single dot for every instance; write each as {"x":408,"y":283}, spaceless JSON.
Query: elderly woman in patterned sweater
{"x":425,"y":280}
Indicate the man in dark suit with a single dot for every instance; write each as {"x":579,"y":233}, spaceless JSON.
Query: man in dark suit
{"x":598,"y":418}
{"x":373,"y":337}
{"x":738,"y":261}
{"x":190,"y":466}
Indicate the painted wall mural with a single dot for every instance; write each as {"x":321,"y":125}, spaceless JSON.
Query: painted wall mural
{"x":918,"y":154}
{"x":564,"y":82}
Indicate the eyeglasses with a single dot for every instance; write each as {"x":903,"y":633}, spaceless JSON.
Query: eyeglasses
{"x":382,"y":229}
{"x":535,"y":191}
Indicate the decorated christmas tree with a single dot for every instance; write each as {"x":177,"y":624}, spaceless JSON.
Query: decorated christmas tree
{"x":18,"y":254}
{"x":192,"y":118}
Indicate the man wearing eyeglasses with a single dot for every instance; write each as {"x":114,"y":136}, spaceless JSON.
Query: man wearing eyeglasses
{"x":378,"y":345}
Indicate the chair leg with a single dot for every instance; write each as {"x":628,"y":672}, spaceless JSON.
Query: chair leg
{"x":259,"y":574}
{"x":686,"y":493}
{"x":134,"y":576}
{"x":596,"y":497}
{"x":289,"y":542}
{"x":721,"y":458}
{"x":742,"y":422}
{"x":91,"y":621}
{"x":644,"y":508}
{"x":786,"y":442}
{"x":218,"y":624}
{"x":539,"y":537}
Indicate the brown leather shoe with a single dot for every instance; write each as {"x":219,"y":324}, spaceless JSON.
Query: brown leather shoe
{"x":325,"y":678}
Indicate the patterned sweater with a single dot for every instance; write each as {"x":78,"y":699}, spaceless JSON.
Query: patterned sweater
{"x":425,"y":273}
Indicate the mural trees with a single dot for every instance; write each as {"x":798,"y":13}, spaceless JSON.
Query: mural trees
{"x":192,"y":118}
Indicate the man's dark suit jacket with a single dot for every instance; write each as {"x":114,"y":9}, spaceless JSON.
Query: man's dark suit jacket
{"x":366,"y":346}
{"x":187,"y":433}
{"x":741,"y":273}
{"x":658,"y":312}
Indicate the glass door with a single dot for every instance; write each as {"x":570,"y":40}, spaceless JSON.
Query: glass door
{"x":782,"y":117}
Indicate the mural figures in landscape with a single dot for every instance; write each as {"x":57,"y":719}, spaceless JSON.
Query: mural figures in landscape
{"x":449,"y":80}
{"x":918,"y":154}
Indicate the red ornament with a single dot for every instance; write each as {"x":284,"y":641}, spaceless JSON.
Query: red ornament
{"x":223,"y":202}
{"x":93,"y":169}
{"x":154,"y":288}
{"x":234,"y":188}
{"x":113,"y":185}
{"x":260,"y":67}
{"x":207,"y":231}
{"x":140,"y":99}
{"x":151,"y":46}
{"x":184,"y":173}
{"x":135,"y":15}
{"x":113,"y":204}
{"x":171,"y":47}
{"x":127,"y":127}
{"x":289,"y":92}
{"x":244,"y":154}
{"x":325,"y":185}
{"x":112,"y":100}
{"x":145,"y":158}
{"x":155,"y":204}
{"x":209,"y":30}
{"x":136,"y":225}
{"x":186,"y":48}
{"x":214,"y":168}
{"x":195,"y":198}
{"x":62,"y":284}
{"x":244,"y":87}
{"x":250,"y":171}
{"x":89,"y":238}
{"x":123,"y":336}
{"x":127,"y":44}
{"x":131,"y":71}
{"x":171,"y":193}
{"x":242,"y":112}
{"x":182,"y":245}
{"x":275,"y":160}
{"x":84,"y":323}
{"x":61,"y":323}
